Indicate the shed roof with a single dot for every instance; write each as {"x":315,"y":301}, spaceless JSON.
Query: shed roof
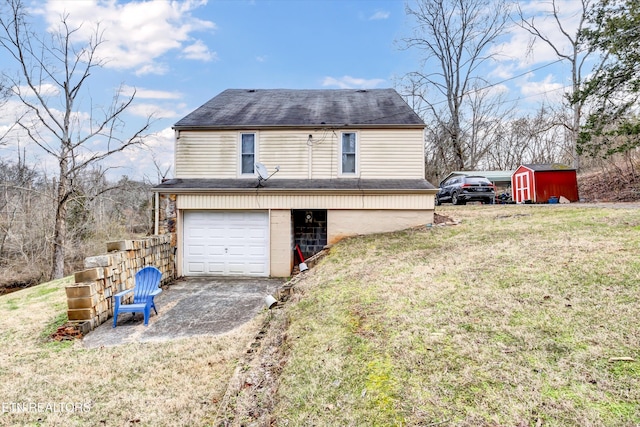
{"x":546,"y":167}
{"x":242,"y":108}
{"x":203,"y":184}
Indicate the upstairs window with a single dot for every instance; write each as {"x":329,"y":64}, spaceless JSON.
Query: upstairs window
{"x":247,"y":153}
{"x":348,"y":151}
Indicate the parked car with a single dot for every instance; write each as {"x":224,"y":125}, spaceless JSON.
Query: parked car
{"x":462,"y":189}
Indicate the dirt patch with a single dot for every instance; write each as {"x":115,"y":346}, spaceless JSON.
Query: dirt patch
{"x":250,"y":395}
{"x":614,"y":183}
{"x":15,"y":285}
{"x":441,"y":219}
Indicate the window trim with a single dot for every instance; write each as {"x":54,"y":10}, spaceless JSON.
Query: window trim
{"x":356,"y":173}
{"x":241,"y":174}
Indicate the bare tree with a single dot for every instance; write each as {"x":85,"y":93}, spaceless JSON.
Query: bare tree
{"x":455,"y":36}
{"x":485,"y":117}
{"x":98,"y":211}
{"x":532,"y":138}
{"x":53,"y":78}
{"x":575,"y":55}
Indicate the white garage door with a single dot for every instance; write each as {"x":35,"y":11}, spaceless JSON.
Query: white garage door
{"x":226,"y":243}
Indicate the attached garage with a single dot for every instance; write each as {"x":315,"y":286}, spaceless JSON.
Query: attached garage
{"x":225,"y":243}
{"x":231,"y":227}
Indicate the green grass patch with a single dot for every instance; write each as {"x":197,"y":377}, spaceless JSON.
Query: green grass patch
{"x":506,"y":319}
{"x":12,"y":304}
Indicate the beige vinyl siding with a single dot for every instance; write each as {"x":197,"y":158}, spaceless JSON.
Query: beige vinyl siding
{"x":287,"y":149}
{"x":203,"y":154}
{"x":391,"y":154}
{"x":383,"y":153}
{"x":324,"y":158}
{"x":305,"y":201}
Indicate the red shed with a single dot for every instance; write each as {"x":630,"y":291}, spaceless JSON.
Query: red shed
{"x":538,"y":183}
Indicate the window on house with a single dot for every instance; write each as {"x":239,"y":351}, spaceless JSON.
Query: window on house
{"x":248,"y":153}
{"x":348,"y":152}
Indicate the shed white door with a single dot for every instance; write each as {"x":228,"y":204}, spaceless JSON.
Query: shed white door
{"x":226,"y":243}
{"x":523,"y":187}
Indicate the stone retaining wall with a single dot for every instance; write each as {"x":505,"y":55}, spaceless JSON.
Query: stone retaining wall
{"x":90,"y":299}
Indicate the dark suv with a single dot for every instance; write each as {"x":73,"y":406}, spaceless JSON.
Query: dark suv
{"x":462,"y":189}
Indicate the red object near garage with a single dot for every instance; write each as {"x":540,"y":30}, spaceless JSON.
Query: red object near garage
{"x":537,"y":183}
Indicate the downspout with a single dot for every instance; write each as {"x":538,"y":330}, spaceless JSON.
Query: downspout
{"x":310,"y":160}
{"x":156,"y":227}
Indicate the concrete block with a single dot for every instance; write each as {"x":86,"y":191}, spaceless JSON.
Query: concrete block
{"x":81,"y":314}
{"x":89,"y":275}
{"x":97,"y":261}
{"x":84,"y":326}
{"x":103,"y":317}
{"x":81,"y":290}
{"x":82,"y":302}
{"x":122,"y":245}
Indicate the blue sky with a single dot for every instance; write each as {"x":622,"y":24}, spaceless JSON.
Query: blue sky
{"x":179,"y":54}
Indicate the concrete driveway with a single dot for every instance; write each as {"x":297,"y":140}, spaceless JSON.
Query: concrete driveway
{"x":190,"y":307}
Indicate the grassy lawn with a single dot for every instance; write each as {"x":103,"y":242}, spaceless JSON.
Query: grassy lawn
{"x":515,"y":317}
{"x":178,"y":383}
{"x":518,"y":316}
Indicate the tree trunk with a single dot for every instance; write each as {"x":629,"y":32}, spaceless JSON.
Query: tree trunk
{"x":60,"y":228}
{"x":456,"y":143}
{"x":574,"y":134}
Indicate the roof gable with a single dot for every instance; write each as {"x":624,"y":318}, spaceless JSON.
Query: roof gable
{"x":241,"y":108}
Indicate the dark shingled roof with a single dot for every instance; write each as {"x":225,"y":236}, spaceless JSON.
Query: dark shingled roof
{"x":242,"y":108}
{"x":201,"y":184}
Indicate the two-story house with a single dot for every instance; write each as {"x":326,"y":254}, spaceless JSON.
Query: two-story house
{"x":258,"y":172}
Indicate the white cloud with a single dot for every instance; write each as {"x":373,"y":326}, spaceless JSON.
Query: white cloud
{"x":261,"y":58}
{"x":162,"y":141}
{"x":138,"y":162}
{"x":502,"y":71}
{"x":348,"y":82}
{"x":494,"y":90}
{"x":45,"y":89}
{"x":546,"y":89}
{"x":148,"y":110}
{"x":380,"y":14}
{"x":136,"y":33}
{"x":199,"y":51}
{"x":149,"y":93}
{"x":152,"y":68}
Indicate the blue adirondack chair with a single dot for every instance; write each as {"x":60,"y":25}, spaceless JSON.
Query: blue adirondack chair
{"x":146,"y":287}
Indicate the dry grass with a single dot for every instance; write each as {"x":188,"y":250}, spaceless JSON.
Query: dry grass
{"x":511,"y":318}
{"x":178,"y":383}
